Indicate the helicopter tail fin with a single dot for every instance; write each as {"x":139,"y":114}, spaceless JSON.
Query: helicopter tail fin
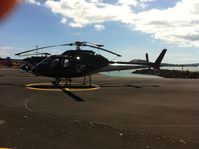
{"x":158,"y":61}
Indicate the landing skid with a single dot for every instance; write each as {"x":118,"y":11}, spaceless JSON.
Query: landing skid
{"x":68,"y":82}
{"x":56,"y":82}
{"x":90,"y":80}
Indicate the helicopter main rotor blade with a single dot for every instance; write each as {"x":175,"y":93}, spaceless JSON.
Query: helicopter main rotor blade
{"x":96,"y":44}
{"x":37,"y":54}
{"x":42,"y":48}
{"x":78,"y":44}
{"x":104,"y":50}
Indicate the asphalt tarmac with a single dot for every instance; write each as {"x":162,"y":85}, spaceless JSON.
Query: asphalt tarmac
{"x":123,"y":113}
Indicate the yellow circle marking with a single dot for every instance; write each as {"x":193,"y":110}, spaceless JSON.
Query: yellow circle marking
{"x":33,"y":86}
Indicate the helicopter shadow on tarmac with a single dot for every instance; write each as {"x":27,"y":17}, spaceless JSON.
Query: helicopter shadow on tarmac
{"x":72,"y":95}
{"x":80,"y":99}
{"x":68,"y":90}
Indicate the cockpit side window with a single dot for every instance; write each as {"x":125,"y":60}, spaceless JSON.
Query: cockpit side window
{"x":65,"y":63}
{"x":45,"y":62}
{"x":54,"y":63}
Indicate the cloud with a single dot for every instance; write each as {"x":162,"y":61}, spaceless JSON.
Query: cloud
{"x":82,"y":13}
{"x":180,"y":58}
{"x":99,"y":27}
{"x":177,"y":25}
{"x":31,"y":2}
{"x":135,"y":3}
{"x":128,"y":2}
{"x":174,"y":25}
{"x":6,"y":51}
{"x":85,"y":12}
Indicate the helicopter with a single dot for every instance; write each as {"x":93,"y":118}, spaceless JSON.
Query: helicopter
{"x":82,"y":63}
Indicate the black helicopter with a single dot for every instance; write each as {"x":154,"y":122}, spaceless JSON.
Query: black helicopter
{"x":82,"y":63}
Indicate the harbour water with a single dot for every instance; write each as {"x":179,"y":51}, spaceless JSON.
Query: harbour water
{"x":128,"y":73}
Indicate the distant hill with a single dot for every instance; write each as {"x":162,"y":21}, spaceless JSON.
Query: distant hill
{"x":179,"y":65}
{"x":167,"y":64}
{"x":138,"y":61}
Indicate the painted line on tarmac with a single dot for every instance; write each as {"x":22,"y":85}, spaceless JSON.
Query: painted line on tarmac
{"x":26,"y":105}
{"x":38,"y":87}
{"x":81,"y":89}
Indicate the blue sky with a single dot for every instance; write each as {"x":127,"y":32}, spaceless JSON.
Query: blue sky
{"x":128,"y":27}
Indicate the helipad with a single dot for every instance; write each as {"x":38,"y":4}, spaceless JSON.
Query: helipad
{"x":50,"y":87}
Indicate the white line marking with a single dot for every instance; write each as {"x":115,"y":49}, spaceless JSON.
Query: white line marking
{"x":26,"y":104}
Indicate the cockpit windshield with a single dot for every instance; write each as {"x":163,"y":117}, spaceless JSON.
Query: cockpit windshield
{"x":46,"y":61}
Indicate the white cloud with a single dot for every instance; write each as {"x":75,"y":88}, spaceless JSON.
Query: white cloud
{"x":177,"y":25}
{"x":82,"y":12}
{"x":31,"y":2}
{"x":147,"y":0}
{"x":99,"y":27}
{"x":128,"y":2}
{"x":180,"y":58}
{"x":134,"y":3}
{"x":6,"y":51}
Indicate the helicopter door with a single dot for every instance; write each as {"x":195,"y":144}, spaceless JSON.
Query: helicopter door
{"x":53,"y":67}
{"x":65,"y":67}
